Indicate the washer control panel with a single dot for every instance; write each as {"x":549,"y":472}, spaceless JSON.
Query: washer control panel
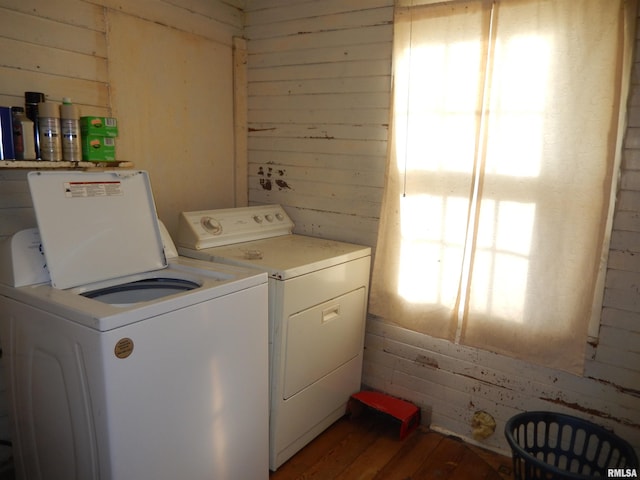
{"x":23,"y":260}
{"x":213,"y":228}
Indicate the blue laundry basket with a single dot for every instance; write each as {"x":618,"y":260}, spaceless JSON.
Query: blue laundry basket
{"x":554,"y":446}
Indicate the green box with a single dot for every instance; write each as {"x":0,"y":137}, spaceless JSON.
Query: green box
{"x":103,"y":126}
{"x":96,"y":148}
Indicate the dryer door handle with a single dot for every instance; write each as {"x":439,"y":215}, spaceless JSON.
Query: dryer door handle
{"x":331,"y":313}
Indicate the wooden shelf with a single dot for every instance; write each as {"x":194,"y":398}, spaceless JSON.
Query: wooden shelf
{"x":41,"y":165}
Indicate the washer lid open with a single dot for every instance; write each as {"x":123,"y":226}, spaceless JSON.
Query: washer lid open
{"x":96,"y":226}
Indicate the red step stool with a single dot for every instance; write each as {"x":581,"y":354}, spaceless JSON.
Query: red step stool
{"x":407,"y":413}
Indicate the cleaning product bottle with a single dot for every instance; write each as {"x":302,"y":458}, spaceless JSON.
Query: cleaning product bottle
{"x":70,"y":129}
{"x":31,"y":101}
{"x":49,"y":131}
{"x":23,"y":140}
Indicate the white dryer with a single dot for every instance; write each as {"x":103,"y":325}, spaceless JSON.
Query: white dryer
{"x":318,"y":292}
{"x":122,"y":364}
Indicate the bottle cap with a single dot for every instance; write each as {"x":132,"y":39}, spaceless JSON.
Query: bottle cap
{"x":48,"y":109}
{"x":67,"y":110}
{"x":33,"y":97}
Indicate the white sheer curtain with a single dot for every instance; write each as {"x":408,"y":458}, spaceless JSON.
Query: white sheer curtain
{"x":503,"y":154}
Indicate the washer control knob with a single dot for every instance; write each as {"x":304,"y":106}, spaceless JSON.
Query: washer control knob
{"x":211,"y":225}
{"x":279,"y":216}
{"x":269,"y":217}
{"x":257,"y":218}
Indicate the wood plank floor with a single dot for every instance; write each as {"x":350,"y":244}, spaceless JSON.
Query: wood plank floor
{"x":368,"y":447}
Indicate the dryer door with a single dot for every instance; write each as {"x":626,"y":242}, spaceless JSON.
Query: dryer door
{"x":322,"y":338}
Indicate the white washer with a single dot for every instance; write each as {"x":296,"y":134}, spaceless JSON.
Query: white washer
{"x":126,"y":365}
{"x":317,"y":306}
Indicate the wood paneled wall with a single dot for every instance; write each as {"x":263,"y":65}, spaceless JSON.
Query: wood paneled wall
{"x":318,"y":82}
{"x":163,"y":68}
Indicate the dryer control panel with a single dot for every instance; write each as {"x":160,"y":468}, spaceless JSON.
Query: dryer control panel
{"x":213,"y":228}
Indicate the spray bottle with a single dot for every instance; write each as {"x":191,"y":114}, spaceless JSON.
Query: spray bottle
{"x":70,"y":129}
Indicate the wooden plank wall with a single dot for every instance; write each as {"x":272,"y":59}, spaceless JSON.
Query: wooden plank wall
{"x":61,"y":48}
{"x":319,"y":83}
{"x":52,"y":48}
{"x":318,"y":103}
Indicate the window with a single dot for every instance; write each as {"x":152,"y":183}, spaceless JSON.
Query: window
{"x":504,"y":147}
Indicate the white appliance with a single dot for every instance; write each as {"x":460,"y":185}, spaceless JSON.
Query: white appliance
{"x":123,"y":364}
{"x":317,"y":306}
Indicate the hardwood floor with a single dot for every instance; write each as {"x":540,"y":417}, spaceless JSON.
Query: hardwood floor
{"x":368,"y":448}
